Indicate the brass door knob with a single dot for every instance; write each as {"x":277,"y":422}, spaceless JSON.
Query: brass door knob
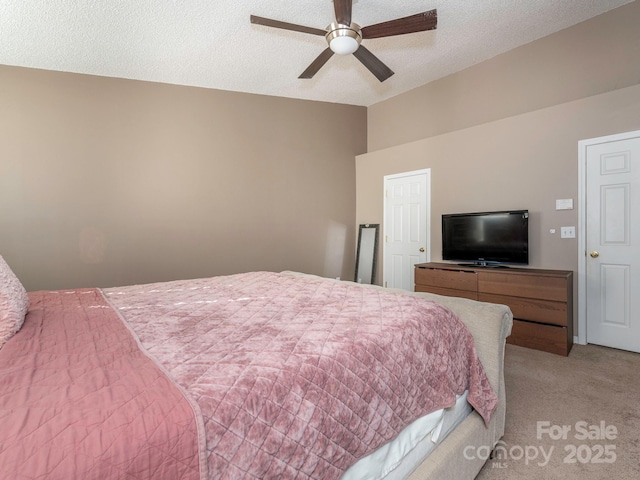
{"x":594,"y":254}
{"x":422,"y":249}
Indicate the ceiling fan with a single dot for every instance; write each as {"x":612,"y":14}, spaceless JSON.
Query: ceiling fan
{"x":344,"y":36}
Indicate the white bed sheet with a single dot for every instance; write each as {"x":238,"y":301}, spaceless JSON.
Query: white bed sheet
{"x":398,"y":458}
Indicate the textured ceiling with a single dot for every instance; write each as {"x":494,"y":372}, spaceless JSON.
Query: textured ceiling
{"x":212,"y":44}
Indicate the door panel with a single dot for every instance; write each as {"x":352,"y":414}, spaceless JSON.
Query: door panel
{"x":615,"y":301}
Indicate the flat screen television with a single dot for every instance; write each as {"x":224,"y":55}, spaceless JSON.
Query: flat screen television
{"x":486,"y":238}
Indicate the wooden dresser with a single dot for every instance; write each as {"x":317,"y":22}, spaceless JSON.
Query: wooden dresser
{"x":541,"y":300}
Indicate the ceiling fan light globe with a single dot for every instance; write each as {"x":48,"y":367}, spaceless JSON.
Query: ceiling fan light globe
{"x":343,"y":45}
{"x":343,"y":39}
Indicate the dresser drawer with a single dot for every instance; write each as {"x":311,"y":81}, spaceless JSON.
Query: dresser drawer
{"x":544,"y":311}
{"x":455,"y":279}
{"x":448,"y":292}
{"x":529,"y":286}
{"x":548,"y":338}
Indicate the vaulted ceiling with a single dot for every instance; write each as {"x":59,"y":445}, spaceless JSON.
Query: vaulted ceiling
{"x":212,"y":44}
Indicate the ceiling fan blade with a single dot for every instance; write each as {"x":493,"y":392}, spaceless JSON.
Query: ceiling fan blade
{"x":419,"y":22}
{"x":375,"y":66}
{"x":317,"y":64}
{"x":267,"y":22}
{"x":343,"y":11}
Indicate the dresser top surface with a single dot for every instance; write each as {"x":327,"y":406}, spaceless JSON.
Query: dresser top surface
{"x":494,"y":269}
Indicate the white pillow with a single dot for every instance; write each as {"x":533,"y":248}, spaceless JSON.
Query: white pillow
{"x":14,"y":303}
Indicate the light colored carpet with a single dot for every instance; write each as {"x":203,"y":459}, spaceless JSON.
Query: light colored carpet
{"x":576,"y":393}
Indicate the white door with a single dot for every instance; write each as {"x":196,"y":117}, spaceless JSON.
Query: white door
{"x":612,"y":243}
{"x":406,"y":226}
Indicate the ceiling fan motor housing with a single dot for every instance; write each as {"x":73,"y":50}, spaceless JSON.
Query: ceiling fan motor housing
{"x":343,"y":39}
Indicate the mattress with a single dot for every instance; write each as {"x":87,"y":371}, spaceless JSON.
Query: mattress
{"x":398,"y":458}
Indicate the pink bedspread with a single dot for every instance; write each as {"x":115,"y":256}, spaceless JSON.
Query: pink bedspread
{"x":300,"y":377}
{"x":80,"y":400}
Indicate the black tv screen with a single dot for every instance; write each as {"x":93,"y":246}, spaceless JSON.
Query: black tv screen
{"x":486,"y":238}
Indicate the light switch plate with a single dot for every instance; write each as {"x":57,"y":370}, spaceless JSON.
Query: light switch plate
{"x":567,"y":232}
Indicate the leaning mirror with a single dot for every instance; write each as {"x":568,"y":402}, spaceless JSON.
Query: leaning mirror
{"x":366,"y":253}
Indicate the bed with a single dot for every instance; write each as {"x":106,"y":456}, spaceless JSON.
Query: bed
{"x":171,"y":380}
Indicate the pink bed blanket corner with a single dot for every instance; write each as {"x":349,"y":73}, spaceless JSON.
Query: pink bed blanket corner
{"x":80,"y":399}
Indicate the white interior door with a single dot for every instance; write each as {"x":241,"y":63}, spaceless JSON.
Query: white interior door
{"x":612,"y":248}
{"x":406,"y":226}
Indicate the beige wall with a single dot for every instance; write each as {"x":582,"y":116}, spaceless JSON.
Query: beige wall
{"x":504,"y":134}
{"x":111,"y":182}
{"x":527,"y":161}
{"x":522,"y":162}
{"x":590,"y":58}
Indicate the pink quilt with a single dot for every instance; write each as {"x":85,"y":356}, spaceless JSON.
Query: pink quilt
{"x":300,"y":377}
{"x":80,"y":400}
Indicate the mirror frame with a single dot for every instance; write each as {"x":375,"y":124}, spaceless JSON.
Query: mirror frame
{"x":361,"y":252}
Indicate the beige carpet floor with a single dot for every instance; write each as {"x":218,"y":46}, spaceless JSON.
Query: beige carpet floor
{"x":575,"y":417}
